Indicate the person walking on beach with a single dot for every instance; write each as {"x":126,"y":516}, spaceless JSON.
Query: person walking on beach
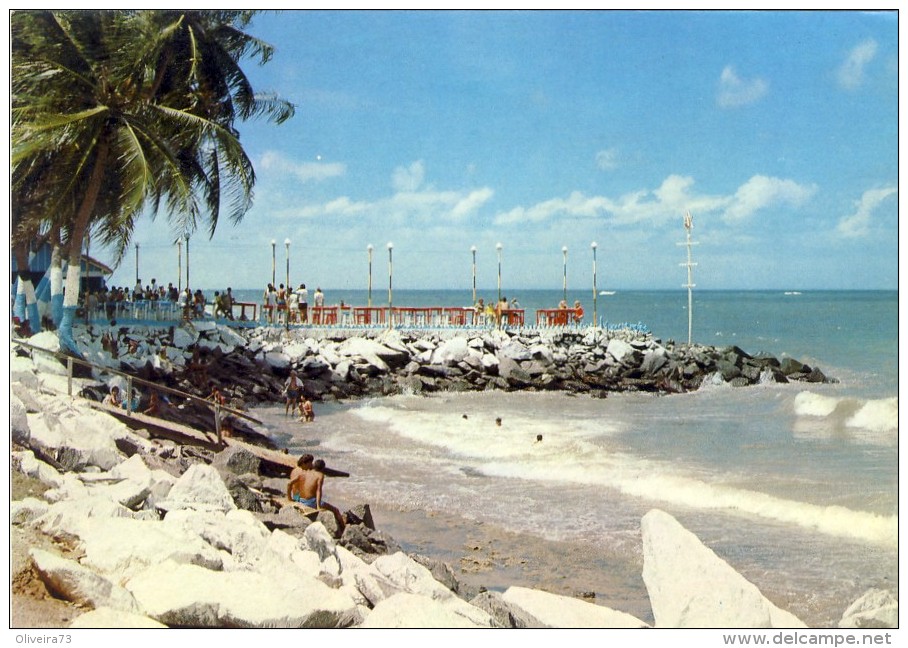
{"x":292,"y":389}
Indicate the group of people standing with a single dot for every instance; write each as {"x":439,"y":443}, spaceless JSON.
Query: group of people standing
{"x":577,"y":314}
{"x":283,"y":305}
{"x":488,"y":313}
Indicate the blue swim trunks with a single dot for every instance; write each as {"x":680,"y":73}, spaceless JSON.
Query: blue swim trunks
{"x":309,"y":501}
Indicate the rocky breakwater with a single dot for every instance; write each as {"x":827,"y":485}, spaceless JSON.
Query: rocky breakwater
{"x":249,"y":365}
{"x":367,"y":363}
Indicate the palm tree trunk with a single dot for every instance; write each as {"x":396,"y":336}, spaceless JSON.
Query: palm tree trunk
{"x":26,"y":305}
{"x":56,"y":278}
{"x":76,"y":236}
{"x":20,"y":253}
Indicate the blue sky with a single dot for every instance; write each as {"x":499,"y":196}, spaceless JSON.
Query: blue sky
{"x":438,"y":131}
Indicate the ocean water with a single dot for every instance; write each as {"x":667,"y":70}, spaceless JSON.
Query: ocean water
{"x":796,"y":485}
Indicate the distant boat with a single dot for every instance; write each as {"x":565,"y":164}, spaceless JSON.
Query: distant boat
{"x":606,"y":292}
{"x":792,"y":292}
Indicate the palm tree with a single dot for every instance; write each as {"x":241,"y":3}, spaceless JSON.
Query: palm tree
{"x":108,"y":124}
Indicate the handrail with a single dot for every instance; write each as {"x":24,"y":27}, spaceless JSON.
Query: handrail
{"x":71,"y":360}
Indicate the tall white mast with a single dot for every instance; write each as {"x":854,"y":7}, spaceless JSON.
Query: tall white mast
{"x":688,"y":226}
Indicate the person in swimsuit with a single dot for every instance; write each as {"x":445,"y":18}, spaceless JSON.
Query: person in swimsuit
{"x":303,"y":464}
{"x":281,"y":303}
{"x":306,"y":489}
{"x":306,"y":413}
{"x":292,"y":389}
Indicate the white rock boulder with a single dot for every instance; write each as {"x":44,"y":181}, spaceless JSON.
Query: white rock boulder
{"x":200,"y":488}
{"x":121,"y":547}
{"x":555,"y":611}
{"x":26,"y":510}
{"x":74,"y":582}
{"x":451,"y":351}
{"x":184,"y":337}
{"x":18,"y":421}
{"x":875,"y":609}
{"x":191,"y":596}
{"x":618,"y":348}
{"x":405,"y":610}
{"x":691,"y":587}
{"x":105,"y":617}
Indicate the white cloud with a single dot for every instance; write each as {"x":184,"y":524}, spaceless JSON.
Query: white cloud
{"x":575,"y":205}
{"x":858,"y":224}
{"x":763,"y":191}
{"x":607,"y":160}
{"x":303,"y":171}
{"x":735,"y":91}
{"x":470,"y":203}
{"x":668,"y":201}
{"x":408,"y":178}
{"x":404,"y":207}
{"x":851,"y":73}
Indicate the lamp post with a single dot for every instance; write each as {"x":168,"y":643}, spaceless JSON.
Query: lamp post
{"x":287,"y":246}
{"x":595,"y":292}
{"x":137,"y":263}
{"x":564,"y":274}
{"x":180,"y":266}
{"x":369,"y":249}
{"x":187,"y":260}
{"x":390,"y":284}
{"x":273,"y":243}
{"x":286,"y":303}
{"x":473,"y":250}
{"x":498,"y":247}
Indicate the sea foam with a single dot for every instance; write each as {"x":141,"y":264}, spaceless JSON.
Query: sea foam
{"x":810,"y":404}
{"x":576,"y":453}
{"x":876,"y":415}
{"x":880,"y":415}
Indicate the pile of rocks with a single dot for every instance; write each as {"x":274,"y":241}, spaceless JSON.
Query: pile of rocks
{"x":249,"y":365}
